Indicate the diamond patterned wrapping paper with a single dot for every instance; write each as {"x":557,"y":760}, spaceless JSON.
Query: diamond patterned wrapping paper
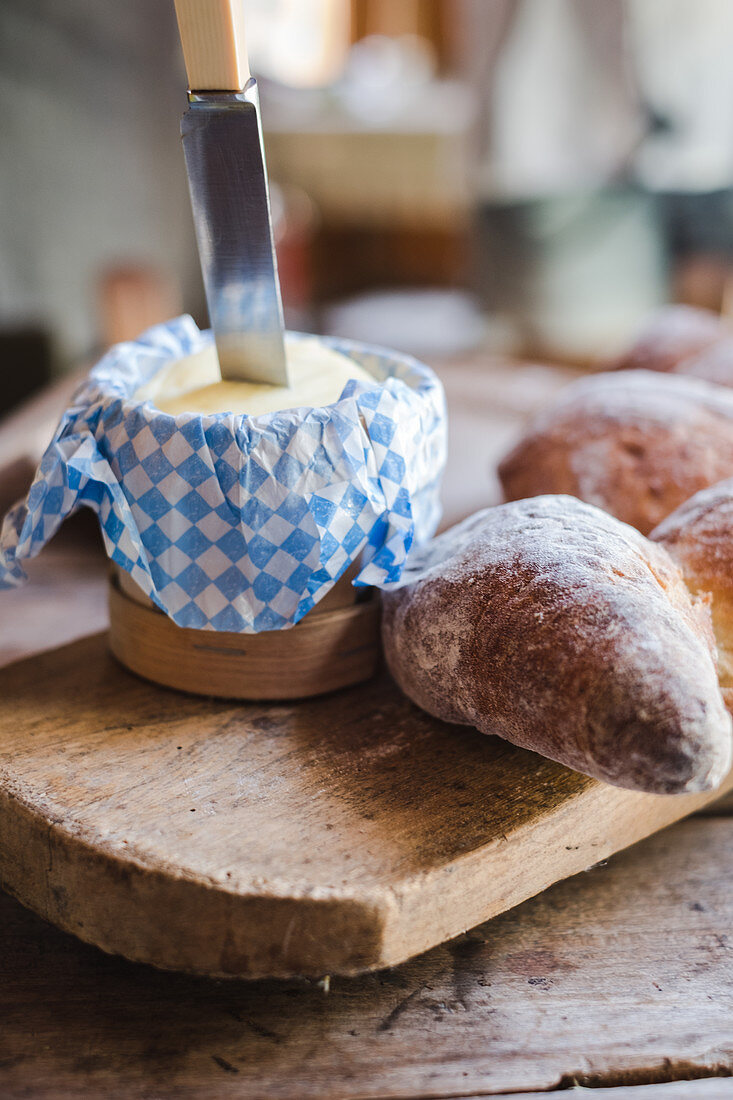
{"x":240,"y":523}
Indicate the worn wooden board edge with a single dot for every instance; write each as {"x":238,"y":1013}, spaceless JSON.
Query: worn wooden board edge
{"x":579,"y":986}
{"x":218,"y":933}
{"x":225,"y":934}
{"x":49,"y":865}
{"x":591,"y":825}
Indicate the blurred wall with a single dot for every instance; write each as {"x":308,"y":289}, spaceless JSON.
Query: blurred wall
{"x":91,"y":171}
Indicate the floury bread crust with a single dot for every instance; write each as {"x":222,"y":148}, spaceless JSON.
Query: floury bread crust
{"x":713,"y":364}
{"x":699,"y":536}
{"x":637,"y":444}
{"x":672,"y":335}
{"x":683,"y":340}
{"x":554,"y":626}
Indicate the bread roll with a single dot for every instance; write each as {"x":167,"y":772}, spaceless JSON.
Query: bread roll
{"x":636,"y":444}
{"x":713,"y":364}
{"x":551,"y":624}
{"x":699,"y":536}
{"x":672,"y":335}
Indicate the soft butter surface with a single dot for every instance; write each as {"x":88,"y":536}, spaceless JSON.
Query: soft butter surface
{"x":318,"y":376}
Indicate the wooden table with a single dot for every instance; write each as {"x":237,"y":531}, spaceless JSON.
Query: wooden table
{"x":620,"y":979}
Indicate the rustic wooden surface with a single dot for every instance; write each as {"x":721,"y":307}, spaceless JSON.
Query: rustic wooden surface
{"x":619,"y":977}
{"x":331,"y":835}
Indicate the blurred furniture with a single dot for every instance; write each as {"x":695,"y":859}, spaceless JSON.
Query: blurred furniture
{"x":699,"y":228}
{"x":705,"y":281}
{"x":389,"y":256}
{"x":26,"y":364}
{"x":391,"y":198}
{"x":437,"y":21}
{"x":394,"y":171}
{"x":576,"y":273}
{"x":130,"y":298}
{"x":604,"y":163}
{"x":383,"y":152}
{"x":24,"y":436}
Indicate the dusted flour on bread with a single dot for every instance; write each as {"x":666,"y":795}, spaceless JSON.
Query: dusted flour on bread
{"x":713,"y":363}
{"x":699,"y":536}
{"x":671,"y":335}
{"x":636,"y":444}
{"x":551,"y":624}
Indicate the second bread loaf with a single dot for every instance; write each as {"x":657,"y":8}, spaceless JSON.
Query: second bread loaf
{"x":551,"y":624}
{"x":699,"y":537}
{"x":637,"y":444}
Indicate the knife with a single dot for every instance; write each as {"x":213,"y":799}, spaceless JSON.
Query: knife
{"x":227,"y":179}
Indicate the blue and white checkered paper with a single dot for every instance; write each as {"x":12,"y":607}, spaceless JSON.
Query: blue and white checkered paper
{"x":240,"y":523}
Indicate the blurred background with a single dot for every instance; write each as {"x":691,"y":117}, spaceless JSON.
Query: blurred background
{"x":450,"y":177}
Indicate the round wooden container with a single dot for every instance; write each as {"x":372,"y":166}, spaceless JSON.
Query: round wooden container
{"x":337,"y":644}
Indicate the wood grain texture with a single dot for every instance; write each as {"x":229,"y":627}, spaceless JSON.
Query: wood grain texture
{"x":326,"y":836}
{"x":214,"y":45}
{"x":621,"y":974}
{"x":325,"y":651}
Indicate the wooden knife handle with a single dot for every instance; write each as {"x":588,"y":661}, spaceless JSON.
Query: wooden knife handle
{"x":214,"y":49}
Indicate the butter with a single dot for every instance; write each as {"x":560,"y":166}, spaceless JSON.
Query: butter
{"x":318,"y":375}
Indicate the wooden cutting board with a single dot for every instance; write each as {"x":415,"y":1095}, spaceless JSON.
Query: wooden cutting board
{"x":328,"y":837}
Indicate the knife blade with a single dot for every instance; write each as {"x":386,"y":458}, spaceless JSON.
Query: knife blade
{"x":227,"y":178}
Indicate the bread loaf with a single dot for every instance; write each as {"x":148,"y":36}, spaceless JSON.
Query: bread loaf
{"x":713,"y":363}
{"x":672,"y":335}
{"x":637,"y":444}
{"x":551,"y":624}
{"x":699,"y":536}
